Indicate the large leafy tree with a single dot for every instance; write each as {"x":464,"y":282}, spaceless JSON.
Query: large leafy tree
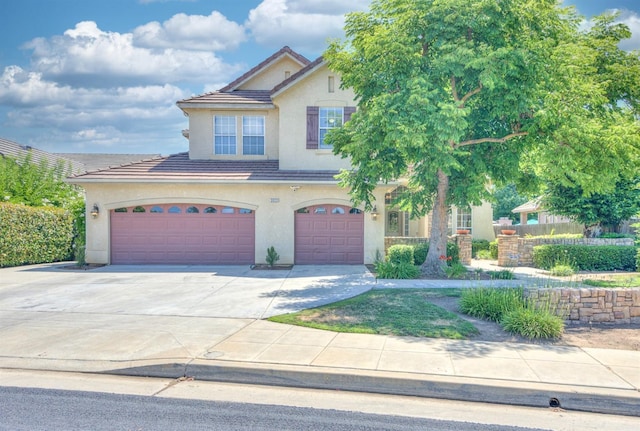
{"x":598,"y":211}
{"x":452,"y":93}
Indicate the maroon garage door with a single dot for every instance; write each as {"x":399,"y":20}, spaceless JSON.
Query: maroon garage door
{"x":329,"y":234}
{"x":182,"y":234}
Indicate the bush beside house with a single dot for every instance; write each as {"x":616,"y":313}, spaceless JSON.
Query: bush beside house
{"x":31,"y":235}
{"x":587,"y":257}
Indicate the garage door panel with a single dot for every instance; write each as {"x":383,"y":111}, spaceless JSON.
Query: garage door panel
{"x":182,"y":238}
{"x":329,"y":237}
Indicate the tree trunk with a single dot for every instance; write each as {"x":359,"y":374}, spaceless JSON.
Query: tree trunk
{"x":436,"y":261}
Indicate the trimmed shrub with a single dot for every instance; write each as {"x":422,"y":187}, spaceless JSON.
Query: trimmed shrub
{"x":420,"y":253}
{"x":34,"y":235}
{"x":478,"y":245}
{"x":493,"y":248}
{"x":562,"y":270}
{"x":400,"y":253}
{"x":402,"y":270}
{"x":585,"y":257}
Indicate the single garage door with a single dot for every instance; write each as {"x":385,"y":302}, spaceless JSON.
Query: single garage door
{"x":329,"y":234}
{"x":182,"y":234}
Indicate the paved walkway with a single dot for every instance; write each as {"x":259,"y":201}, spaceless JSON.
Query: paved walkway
{"x":104,"y":321}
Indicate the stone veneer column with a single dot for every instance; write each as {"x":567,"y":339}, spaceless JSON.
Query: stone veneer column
{"x":508,"y":253}
{"x":464,"y":244}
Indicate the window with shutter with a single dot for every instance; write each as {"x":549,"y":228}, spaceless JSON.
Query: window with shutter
{"x":312,"y":127}
{"x":321,"y":120}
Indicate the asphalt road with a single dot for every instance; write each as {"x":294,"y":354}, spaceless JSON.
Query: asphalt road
{"x":42,"y":409}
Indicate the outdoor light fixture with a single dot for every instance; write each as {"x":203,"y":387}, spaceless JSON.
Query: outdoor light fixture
{"x":374,"y":213}
{"x":95,"y":211}
{"x":294,"y":188}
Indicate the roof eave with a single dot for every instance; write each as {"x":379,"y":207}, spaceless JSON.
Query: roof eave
{"x":234,"y":106}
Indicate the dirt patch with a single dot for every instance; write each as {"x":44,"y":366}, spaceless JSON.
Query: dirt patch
{"x":602,"y":336}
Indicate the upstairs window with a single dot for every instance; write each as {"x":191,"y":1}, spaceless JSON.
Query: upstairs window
{"x":225,"y":134}
{"x":253,"y":135}
{"x":330,"y":118}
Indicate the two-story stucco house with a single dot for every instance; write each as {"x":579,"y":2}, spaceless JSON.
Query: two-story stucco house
{"x":257,"y":174}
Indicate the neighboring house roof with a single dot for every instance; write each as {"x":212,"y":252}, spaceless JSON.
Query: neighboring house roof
{"x":96,"y":161}
{"x":17,"y":151}
{"x":179,"y":168}
{"x":532,"y":206}
{"x":284,"y":51}
{"x":77,"y":162}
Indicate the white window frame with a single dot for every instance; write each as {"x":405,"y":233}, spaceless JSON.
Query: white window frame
{"x":253,"y":126}
{"x":225,"y":140}
{"x":328,"y":118}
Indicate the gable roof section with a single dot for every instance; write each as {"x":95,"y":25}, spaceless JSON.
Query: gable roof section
{"x":301,"y":74}
{"x":179,"y":168}
{"x":284,"y":51}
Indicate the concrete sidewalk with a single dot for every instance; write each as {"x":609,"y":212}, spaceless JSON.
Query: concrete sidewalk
{"x":116,"y":339}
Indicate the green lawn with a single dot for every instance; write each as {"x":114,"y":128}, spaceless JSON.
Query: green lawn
{"x":405,"y":312}
{"x":626,"y":281}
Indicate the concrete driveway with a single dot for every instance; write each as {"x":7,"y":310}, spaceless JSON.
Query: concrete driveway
{"x":194,"y":291}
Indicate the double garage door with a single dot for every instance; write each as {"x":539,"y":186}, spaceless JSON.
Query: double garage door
{"x":196,"y":234}
{"x":183,"y":234}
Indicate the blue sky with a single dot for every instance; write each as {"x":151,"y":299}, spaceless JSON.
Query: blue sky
{"x":104,"y":75}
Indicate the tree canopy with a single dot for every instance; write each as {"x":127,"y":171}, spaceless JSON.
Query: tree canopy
{"x":454,"y":93}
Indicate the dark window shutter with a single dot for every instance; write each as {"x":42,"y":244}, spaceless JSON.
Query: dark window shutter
{"x":312,"y":127}
{"x":347,"y":111}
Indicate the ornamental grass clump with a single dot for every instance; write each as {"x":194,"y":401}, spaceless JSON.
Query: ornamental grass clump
{"x":515,"y":314}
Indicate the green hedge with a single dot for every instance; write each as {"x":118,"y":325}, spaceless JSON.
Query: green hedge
{"x":638,"y":260}
{"x":34,"y":235}
{"x":420,"y":253}
{"x":477,"y":245}
{"x":493,"y":249}
{"x":400,"y":253}
{"x":587,"y":257}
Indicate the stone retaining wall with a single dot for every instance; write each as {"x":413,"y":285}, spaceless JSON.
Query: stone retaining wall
{"x":516,"y":251}
{"x":594,"y":305}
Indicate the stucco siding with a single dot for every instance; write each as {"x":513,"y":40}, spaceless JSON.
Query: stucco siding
{"x":312,"y":90}
{"x":274,"y":207}
{"x":272,"y":76}
{"x":201,"y":140}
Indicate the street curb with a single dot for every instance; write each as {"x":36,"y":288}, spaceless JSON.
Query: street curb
{"x":577,"y":398}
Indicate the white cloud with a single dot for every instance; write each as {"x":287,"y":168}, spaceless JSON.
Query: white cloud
{"x":87,"y":56}
{"x":304,"y":25}
{"x":193,"y":32}
{"x":632,"y":20}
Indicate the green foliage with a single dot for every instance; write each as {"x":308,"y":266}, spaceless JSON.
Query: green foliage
{"x":616,"y":281}
{"x":478,"y":245}
{"x":503,"y":274}
{"x":493,"y":248}
{"x":606,"y":210}
{"x":401,"y":270}
{"x":533,"y":323}
{"x":420,"y":253}
{"x":400,"y":253}
{"x":34,"y":235}
{"x":455,"y":270}
{"x":560,"y":270}
{"x":272,"y":256}
{"x":615,"y":235}
{"x":505,"y":199}
{"x":490,"y":303}
{"x":586,"y":257}
{"x":484,"y":254}
{"x":515,"y":314}
{"x":638,"y":259}
{"x":24,"y":182}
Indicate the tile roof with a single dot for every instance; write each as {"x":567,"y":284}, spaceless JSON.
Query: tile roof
{"x":95,"y":161}
{"x":244,"y":97}
{"x":179,"y":168}
{"x":17,"y":151}
{"x":283,"y":51}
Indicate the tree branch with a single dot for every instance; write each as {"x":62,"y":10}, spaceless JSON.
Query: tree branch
{"x":456,"y":97}
{"x":496,"y":140}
